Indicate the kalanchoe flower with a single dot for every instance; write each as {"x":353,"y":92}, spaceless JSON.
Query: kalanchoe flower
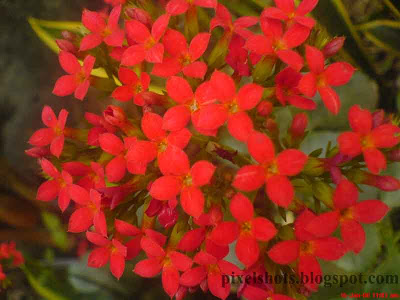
{"x":286,"y":11}
{"x":306,"y":248}
{"x":57,"y":186}
{"x":77,"y":82}
{"x":240,"y":125}
{"x":323,"y":78}
{"x":54,"y":134}
{"x":272,"y":170}
{"x":183,"y":57}
{"x":349,"y":214}
{"x":187,"y":183}
{"x":91,"y":177}
{"x":247,"y":230}
{"x":133,"y":87}
{"x":168,"y":261}
{"x":277,"y":43}
{"x":148,"y":47}
{"x":210,"y":271}
{"x":109,"y":31}
{"x":367,"y":140}
{"x":178,"y":7}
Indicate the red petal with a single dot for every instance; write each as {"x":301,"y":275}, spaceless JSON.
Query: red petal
{"x":302,"y":103}
{"x":81,"y":90}
{"x":123,"y":93}
{"x":245,"y":22}
{"x":63,"y":199}
{"x":199,"y":45}
{"x":49,"y":168}
{"x":142,"y":152}
{"x":306,"y":6}
{"x":69,"y":62}
{"x":225,"y":233}
{"x":385,"y":136}
{"x":375,"y":160}
{"x":247,"y":250}
{"x":353,"y":235}
{"x":180,"y":138}
{"x":133,"y":247}
{"x":159,"y":27}
{"x":324,"y":224}
{"x":117,"y":265}
{"x":114,"y":16}
{"x":210,"y":117}
{"x":263,"y":229}
{"x":88,"y":64}
{"x":151,"y":248}
{"x":65,"y":85}
{"x":291,"y":162}
{"x":193,"y":277}
{"x":349,"y":143}
{"x":345,"y":195}
{"x":179,"y":89}
{"x":137,"y":31}
{"x":240,"y":126}
{"x":126,"y":229}
{"x":93,"y":21}
{"x":202,"y":172}
{"x":291,"y":58}
{"x":309,"y":266}
{"x":280,"y":190}
{"x":192,"y":240}
{"x":169,"y":67}
{"x":80,"y":220}
{"x":152,"y":126}
{"x":180,"y":261}
{"x":203,"y":258}
{"x":110,"y":143}
{"x":296,"y":35}
{"x":57,"y":146}
{"x":97,"y":239}
{"x":48,"y":190}
{"x":165,"y":188}
{"x":249,"y":96}
{"x":331,"y":99}
{"x":274,"y":13}
{"x":261,"y":147}
{"x":170,"y":280}
{"x":79,"y":194}
{"x":206,"y":3}
{"x":177,"y":7}
{"x":116,"y":38}
{"x":176,"y":118}
{"x":148,"y":268}
{"x":285,"y":252}
{"x":115,"y":169}
{"x":315,"y":59}
{"x":286,"y":5}
{"x":300,"y":226}
{"x":127,"y":76}
{"x":100,"y":224}
{"x":133,"y":55}
{"x":308,"y":85}
{"x":224,"y":86}
{"x":370,"y":211}
{"x":241,"y":208}
{"x":173,"y":161}
{"x":195,"y":70}
{"x":192,"y":201}
{"x":155,"y":55}
{"x":339,"y":73}
{"x":219,"y":252}
{"x":90,"y":41}
{"x":259,"y":44}
{"x":305,"y":21}
{"x":329,"y":248}
{"x":249,"y":178}
{"x":214,"y":284}
{"x":42,"y":137}
{"x":98,"y":257}
{"x":175,"y":42}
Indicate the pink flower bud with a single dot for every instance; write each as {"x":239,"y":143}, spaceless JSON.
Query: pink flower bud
{"x":299,"y":125}
{"x":140,"y":15}
{"x":334,"y":46}
{"x":387,"y":183}
{"x":264,"y":108}
{"x":69,"y":36}
{"x":66,"y":45}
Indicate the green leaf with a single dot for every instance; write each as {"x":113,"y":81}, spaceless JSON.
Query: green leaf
{"x":383,"y":33}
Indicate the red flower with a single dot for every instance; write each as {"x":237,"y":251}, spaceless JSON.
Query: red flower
{"x":54,"y":134}
{"x":277,"y":43}
{"x":322,"y":78}
{"x":148,"y":47}
{"x":287,"y":92}
{"x":168,"y":261}
{"x":101,"y":31}
{"x":237,"y":56}
{"x":115,"y":2}
{"x":88,"y":213}
{"x":207,"y":116}
{"x":349,"y":214}
{"x":101,"y":125}
{"x":178,"y":7}
{"x":210,"y":269}
{"x":116,"y":168}
{"x":223,"y":18}
{"x":91,"y":177}
{"x":367,"y":140}
{"x":166,"y":148}
{"x":57,"y":186}
{"x":271,"y":170}
{"x":111,"y":250}
{"x":183,"y":58}
{"x":307,"y":247}
{"x":187,"y":183}
{"x":132,"y":87}
{"x":165,"y":211}
{"x":247,"y":230}
{"x":77,"y":82}
{"x":240,"y":125}
{"x":286,"y":11}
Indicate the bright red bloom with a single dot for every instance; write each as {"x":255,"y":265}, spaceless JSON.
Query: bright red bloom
{"x":223,"y":18}
{"x":187,"y":183}
{"x":349,"y":214}
{"x":91,"y":177}
{"x":101,"y":125}
{"x":78,"y":80}
{"x":286,"y":11}
{"x":165,"y":211}
{"x":247,"y":230}
{"x":57,"y":186}
{"x":89,"y":212}
{"x":183,"y":57}
{"x":178,"y":7}
{"x":148,"y":47}
{"x":306,"y":248}
{"x":322,"y":78}
{"x":167,"y":148}
{"x":9,"y":250}
{"x":210,"y":271}
{"x":116,"y":168}
{"x":133,"y":87}
{"x":111,"y":250}
{"x":276,"y":43}
{"x":240,"y":125}
{"x":237,"y":56}
{"x":54,"y":134}
{"x":109,"y":31}
{"x":287,"y":92}
{"x":367,"y":140}
{"x":207,"y":116}
{"x":168,"y":261}
{"x":272,"y":170}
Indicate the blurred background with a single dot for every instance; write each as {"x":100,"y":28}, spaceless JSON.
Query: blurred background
{"x":28,"y":71}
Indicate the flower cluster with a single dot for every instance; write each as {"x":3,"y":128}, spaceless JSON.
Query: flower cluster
{"x":162,"y":179}
{"x":9,"y":256}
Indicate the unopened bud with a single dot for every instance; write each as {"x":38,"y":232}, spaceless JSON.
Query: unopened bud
{"x":264,"y":108}
{"x":323,"y":192}
{"x":66,"y":45}
{"x":68,"y":35}
{"x":314,"y":167}
{"x":168,"y":216}
{"x":181,"y":293}
{"x":38,"y":152}
{"x":299,"y":125}
{"x":378,"y":118}
{"x":333,"y":47}
{"x":114,"y":115}
{"x":385,"y":183}
{"x":140,"y":15}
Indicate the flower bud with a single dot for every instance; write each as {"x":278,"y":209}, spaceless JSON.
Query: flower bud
{"x":154,"y":208}
{"x":299,"y":125}
{"x":323,"y":192}
{"x":385,"y":183}
{"x":334,"y":46}
{"x":314,"y":167}
{"x":114,"y":115}
{"x":66,"y":45}
{"x":181,"y":293}
{"x":168,"y":216}
{"x":264,"y":108}
{"x":68,"y":35}
{"x":38,"y":152}
{"x":140,"y":15}
{"x":378,"y":118}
